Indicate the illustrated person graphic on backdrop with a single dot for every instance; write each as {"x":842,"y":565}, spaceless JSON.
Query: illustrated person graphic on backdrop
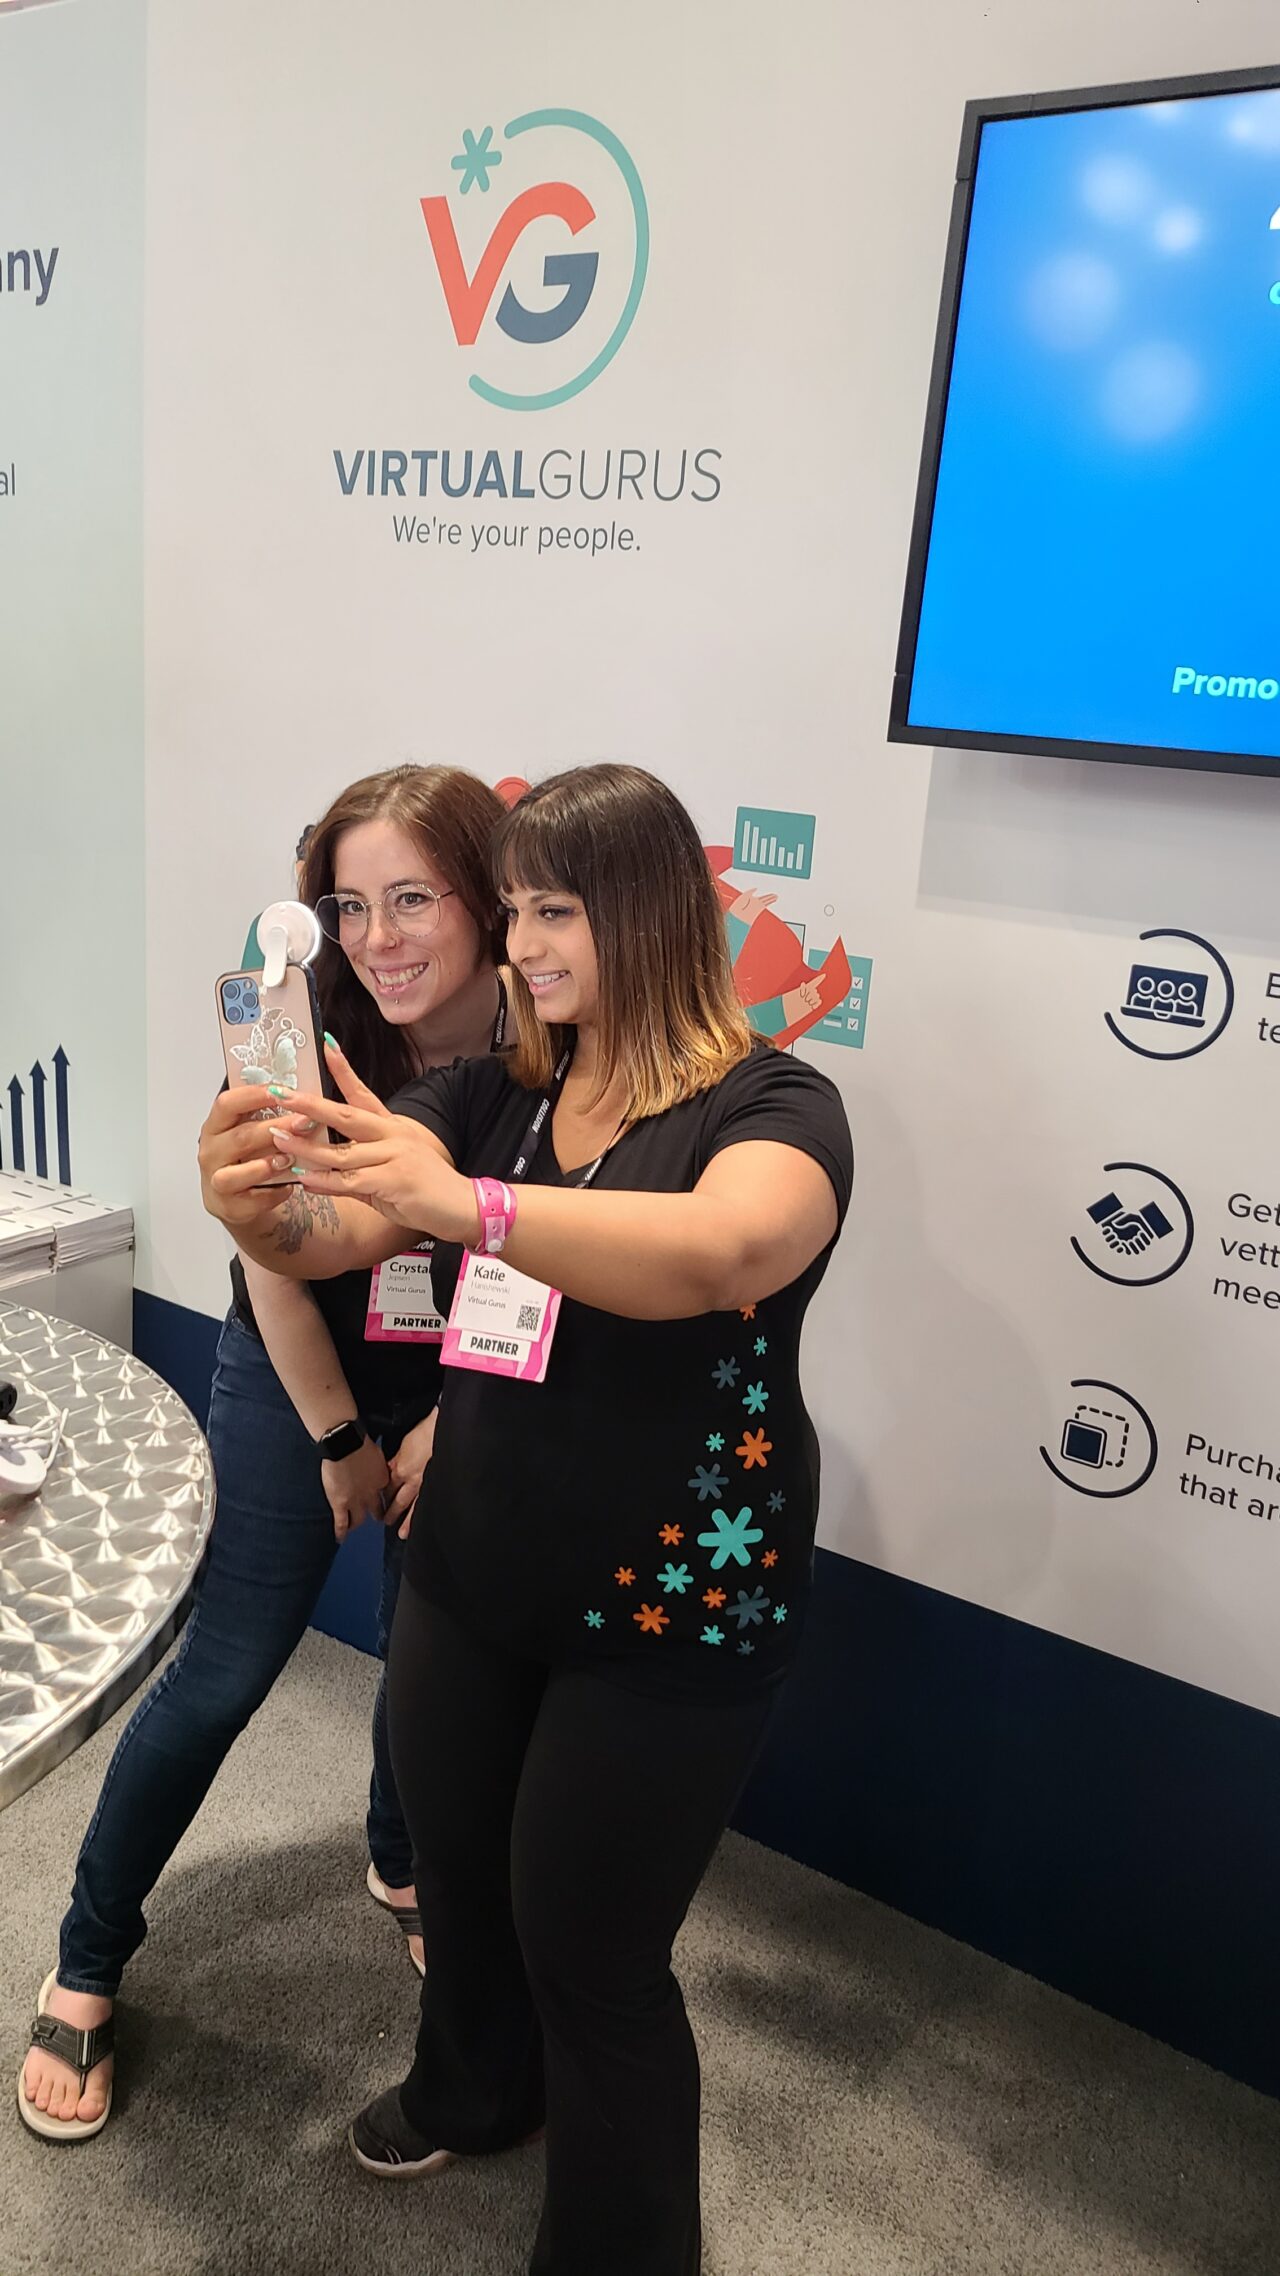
{"x":318,"y":1418}
{"x":611,"y":1553}
{"x":782,"y":995}
{"x":769,"y":1015}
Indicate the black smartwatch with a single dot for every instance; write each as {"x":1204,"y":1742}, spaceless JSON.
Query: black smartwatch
{"x":344,"y":1439}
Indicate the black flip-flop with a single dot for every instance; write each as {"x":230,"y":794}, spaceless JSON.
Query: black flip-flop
{"x":81,"y":2051}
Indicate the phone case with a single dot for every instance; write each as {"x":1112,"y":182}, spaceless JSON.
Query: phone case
{"x":273,"y":1036}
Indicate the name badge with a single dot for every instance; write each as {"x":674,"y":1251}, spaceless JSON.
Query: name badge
{"x":501,"y":1322}
{"x":402,"y":1305}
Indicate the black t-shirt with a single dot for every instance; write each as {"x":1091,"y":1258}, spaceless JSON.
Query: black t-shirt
{"x":650,"y":1507}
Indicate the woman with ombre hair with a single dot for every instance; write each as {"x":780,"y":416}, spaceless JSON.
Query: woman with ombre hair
{"x":611,"y":1553}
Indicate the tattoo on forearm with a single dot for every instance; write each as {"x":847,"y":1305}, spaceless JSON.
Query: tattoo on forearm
{"x":303,"y":1213}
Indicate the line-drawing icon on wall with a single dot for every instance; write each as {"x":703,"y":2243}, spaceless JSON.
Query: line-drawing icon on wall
{"x":1172,"y":1011}
{"x":1106,"y":1443}
{"x":1132,"y":1234}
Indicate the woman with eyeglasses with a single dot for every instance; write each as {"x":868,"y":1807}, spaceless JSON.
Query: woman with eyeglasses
{"x":322,"y":1412}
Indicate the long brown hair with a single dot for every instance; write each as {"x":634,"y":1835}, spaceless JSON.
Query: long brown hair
{"x":450,"y":816}
{"x":670,"y":1023}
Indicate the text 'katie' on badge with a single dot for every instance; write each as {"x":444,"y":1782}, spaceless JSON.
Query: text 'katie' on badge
{"x":502,"y":1322}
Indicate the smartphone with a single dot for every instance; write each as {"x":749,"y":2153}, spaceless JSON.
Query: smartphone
{"x":273,"y":1035}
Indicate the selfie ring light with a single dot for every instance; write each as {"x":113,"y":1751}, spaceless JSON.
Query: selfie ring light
{"x":288,"y":933}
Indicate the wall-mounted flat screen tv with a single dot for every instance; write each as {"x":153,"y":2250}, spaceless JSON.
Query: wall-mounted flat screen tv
{"x":1095,"y":558}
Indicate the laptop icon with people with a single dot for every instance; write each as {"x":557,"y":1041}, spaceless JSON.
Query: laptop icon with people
{"x":1158,"y":992}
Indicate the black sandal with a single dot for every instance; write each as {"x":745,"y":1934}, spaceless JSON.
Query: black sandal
{"x":407,"y":1918}
{"x":81,"y":2051}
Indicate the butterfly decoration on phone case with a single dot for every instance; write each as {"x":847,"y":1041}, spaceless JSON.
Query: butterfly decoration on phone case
{"x":271,"y":1053}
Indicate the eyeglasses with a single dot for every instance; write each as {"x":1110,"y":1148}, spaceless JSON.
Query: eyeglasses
{"x":413,"y":911}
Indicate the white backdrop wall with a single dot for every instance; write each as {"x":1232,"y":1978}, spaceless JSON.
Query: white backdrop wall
{"x":797,"y":171}
{"x":72,"y":1001}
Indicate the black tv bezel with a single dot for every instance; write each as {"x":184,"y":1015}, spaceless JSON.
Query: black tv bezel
{"x":977,"y":114}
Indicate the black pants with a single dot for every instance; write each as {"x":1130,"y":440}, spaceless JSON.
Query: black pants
{"x":561,"y":1825}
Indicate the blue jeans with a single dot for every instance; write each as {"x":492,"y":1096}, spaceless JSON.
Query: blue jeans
{"x":269,"y":1552}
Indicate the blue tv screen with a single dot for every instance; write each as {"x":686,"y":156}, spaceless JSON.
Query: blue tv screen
{"x":1095,"y":561}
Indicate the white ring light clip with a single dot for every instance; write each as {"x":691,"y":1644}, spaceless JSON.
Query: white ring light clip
{"x":288,"y":933}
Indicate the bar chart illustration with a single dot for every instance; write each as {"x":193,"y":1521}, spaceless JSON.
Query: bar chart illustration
{"x":773,"y":844}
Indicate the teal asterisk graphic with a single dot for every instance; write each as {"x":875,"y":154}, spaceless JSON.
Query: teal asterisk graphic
{"x":475,"y":159}
{"x":677,"y":1577}
{"x":715,"y":1443}
{"x":594,"y":1619}
{"x":731,"y":1538}
{"x":725,"y":1374}
{"x":779,"y":1613}
{"x":746,"y":1649}
{"x":749,"y":1611}
{"x":762,"y":1345}
{"x":775,"y":1502}
{"x":755,"y":1398}
{"x":713,"y":1635}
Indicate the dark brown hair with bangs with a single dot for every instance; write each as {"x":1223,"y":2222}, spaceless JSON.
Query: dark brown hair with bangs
{"x":670,"y":1023}
{"x":451,"y":817}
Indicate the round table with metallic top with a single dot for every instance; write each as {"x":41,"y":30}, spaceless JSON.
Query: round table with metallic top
{"x":96,"y":1570}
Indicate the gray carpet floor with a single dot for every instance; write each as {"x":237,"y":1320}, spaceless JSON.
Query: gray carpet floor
{"x":879,"y":2101}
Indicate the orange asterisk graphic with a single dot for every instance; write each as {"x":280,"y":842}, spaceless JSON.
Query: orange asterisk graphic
{"x":755,"y":1449}
{"x":652,"y":1619}
{"x":748,"y":1311}
{"x":770,"y":1557}
{"x":714,"y":1597}
{"x":671,"y":1536}
{"x":624,"y":1576}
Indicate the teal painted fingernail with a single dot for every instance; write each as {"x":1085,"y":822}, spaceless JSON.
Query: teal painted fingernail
{"x":295,"y":1172}
{"x":274,"y":1091}
{"x":332,"y":1041}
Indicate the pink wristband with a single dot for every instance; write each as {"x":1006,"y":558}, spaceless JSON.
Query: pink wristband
{"x":497,"y":1205}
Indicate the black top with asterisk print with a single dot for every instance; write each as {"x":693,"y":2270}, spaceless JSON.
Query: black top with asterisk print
{"x":650,"y":1507}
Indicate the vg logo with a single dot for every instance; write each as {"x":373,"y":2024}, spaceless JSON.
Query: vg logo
{"x":569,"y":247}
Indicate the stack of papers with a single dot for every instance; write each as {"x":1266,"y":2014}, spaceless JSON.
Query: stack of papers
{"x":45,"y":1226}
{"x":26,"y":1246}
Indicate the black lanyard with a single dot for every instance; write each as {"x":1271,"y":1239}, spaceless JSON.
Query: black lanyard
{"x":499,"y":1035}
{"x":541,"y":1116}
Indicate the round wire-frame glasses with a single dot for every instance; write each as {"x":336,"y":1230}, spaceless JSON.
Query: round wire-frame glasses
{"x":411,"y":909}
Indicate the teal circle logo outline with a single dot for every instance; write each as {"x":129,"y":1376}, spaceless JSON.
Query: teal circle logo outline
{"x":581,"y":123}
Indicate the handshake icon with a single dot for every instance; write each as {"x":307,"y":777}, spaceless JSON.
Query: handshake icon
{"x":1129,"y":1231}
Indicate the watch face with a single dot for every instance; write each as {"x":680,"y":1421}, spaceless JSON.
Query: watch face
{"x":345,"y":1439}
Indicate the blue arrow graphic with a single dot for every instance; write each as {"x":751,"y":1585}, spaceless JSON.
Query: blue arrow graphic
{"x":38,"y":1131}
{"x":15,"y":1124}
{"x":60,"y":1064}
